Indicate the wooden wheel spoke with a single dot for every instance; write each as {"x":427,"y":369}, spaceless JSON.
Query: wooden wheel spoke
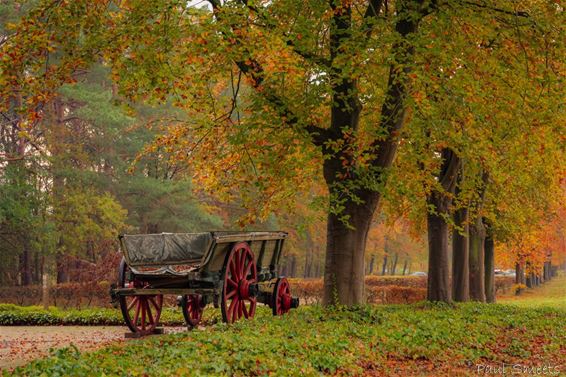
{"x":231,"y":294}
{"x":134,"y":301}
{"x":253,"y":303}
{"x":234,"y":270}
{"x":243,"y":257}
{"x":136,"y":316}
{"x":149,"y":313}
{"x":152,"y":300}
{"x":232,"y":283}
{"x":247,"y":269}
{"x":143,"y":314}
{"x":245,"y":309}
{"x":241,"y":308}
{"x":236,"y":310}
{"x":233,"y":303}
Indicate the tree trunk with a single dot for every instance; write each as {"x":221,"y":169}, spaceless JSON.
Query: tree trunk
{"x":384,"y":267}
{"x":438,"y":286}
{"x":45,"y":288}
{"x":394,"y":264}
{"x":405,"y":266}
{"x":477,"y":261}
{"x":461,"y":257}
{"x":344,"y":269}
{"x":25,"y":265}
{"x":62,"y":269}
{"x":519,"y":273}
{"x":293,"y":272}
{"x":371,"y":262}
{"x":489,"y":270}
{"x":529,"y":276}
{"x":438,"y":283}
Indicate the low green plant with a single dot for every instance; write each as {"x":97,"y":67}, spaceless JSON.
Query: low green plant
{"x":313,"y":340}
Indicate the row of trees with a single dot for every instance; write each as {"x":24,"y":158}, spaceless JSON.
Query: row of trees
{"x":445,"y":112}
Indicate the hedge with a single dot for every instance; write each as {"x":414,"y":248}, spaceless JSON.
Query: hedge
{"x":379,"y":290}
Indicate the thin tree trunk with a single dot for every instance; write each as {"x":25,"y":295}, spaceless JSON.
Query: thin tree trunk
{"x":461,"y":257}
{"x":384,"y":267}
{"x":489,"y":269}
{"x":26,"y":264}
{"x":394,"y":264}
{"x":520,"y":273}
{"x":477,"y":261}
{"x":529,"y":276}
{"x":371,"y":262}
{"x":45,"y":288}
{"x":405,"y":266}
{"x":293,"y":266}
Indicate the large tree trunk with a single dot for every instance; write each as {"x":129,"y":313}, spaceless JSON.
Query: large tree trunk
{"x":460,"y":257}
{"x":489,"y":269}
{"x":405,"y":265}
{"x":346,"y":243}
{"x":477,"y":263}
{"x":438,"y":285}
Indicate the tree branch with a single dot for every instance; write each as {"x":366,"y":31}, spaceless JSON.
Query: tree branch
{"x":253,"y":69}
{"x":498,"y":10}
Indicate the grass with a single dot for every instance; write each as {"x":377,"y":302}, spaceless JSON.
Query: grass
{"x":418,"y":339}
{"x":550,"y":294}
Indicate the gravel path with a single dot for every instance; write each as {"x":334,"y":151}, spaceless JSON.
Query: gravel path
{"x":21,"y":344}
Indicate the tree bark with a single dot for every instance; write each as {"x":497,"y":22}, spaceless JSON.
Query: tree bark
{"x":438,"y":283}
{"x":477,"y":261}
{"x":371,"y":263}
{"x":394,"y":264}
{"x":344,"y":268}
{"x":461,"y":257}
{"x":529,"y":276}
{"x":405,"y":266}
{"x":489,"y":269}
{"x":293,"y":272}
{"x":25,"y":263}
{"x":384,"y":267}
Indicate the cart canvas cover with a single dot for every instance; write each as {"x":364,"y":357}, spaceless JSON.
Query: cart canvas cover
{"x":165,"y":248}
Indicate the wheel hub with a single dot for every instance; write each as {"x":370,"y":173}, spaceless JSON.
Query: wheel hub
{"x":286,"y":301}
{"x":244,"y":289}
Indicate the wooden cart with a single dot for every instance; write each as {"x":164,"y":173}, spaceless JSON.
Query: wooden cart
{"x":233,"y":270}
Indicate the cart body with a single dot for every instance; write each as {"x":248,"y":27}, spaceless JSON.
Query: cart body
{"x":233,"y":270}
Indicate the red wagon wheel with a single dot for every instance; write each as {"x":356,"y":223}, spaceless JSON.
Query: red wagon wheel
{"x":240,"y":272}
{"x":281,"y":298}
{"x":193,"y":307}
{"x":140,"y":312}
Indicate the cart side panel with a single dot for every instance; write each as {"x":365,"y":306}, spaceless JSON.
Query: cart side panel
{"x":217,"y":257}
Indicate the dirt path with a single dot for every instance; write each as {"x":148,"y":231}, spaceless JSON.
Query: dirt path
{"x":21,"y":344}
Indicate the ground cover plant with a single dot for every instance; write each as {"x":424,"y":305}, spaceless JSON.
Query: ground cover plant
{"x":437,"y":339}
